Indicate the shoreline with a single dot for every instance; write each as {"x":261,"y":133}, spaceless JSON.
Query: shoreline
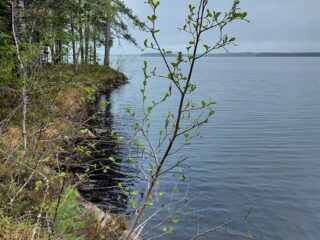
{"x":99,"y":220}
{"x":103,"y":219}
{"x":65,"y":124}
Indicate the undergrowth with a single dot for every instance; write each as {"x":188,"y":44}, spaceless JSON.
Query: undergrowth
{"x":38,"y":198}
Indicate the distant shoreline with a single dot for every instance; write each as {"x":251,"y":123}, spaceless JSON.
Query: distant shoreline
{"x":247,"y":54}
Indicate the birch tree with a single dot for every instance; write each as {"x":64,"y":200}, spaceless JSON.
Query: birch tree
{"x":184,"y":124}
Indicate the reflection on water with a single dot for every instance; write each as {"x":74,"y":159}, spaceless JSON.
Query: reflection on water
{"x":107,"y":163}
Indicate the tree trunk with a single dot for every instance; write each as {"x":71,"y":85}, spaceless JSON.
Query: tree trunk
{"x":22,"y":71}
{"x":87,"y":35}
{"x":53,"y":57}
{"x":81,"y":35}
{"x":73,"y":41}
{"x":107,"y":36}
{"x":24,"y":110}
{"x":59,"y":51}
{"x":81,"y":45}
{"x":94,"y":46}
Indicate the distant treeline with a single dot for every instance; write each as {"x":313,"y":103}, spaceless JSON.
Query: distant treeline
{"x":249,"y":54}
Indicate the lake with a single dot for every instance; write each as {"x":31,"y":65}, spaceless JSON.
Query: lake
{"x":261,"y":149}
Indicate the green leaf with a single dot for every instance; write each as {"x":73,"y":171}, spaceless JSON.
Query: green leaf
{"x":175,"y":219}
{"x":157,"y":4}
{"x":134,"y":204}
{"x":244,"y":15}
{"x":151,"y":167}
{"x":154,"y":31}
{"x":103,"y":105}
{"x":131,"y":159}
{"x":119,"y":139}
{"x":84,"y":131}
{"x":182,"y":178}
{"x":134,"y":193}
{"x":171,"y":76}
{"x":217,"y":14}
{"x":149,"y":109}
{"x":66,"y":138}
{"x":152,"y":18}
{"x":88,"y":154}
{"x":113,"y":133}
{"x":211,"y":113}
{"x":112,"y":159}
{"x":175,"y":189}
{"x":38,"y":185}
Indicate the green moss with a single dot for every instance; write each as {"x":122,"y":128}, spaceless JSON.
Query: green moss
{"x":85,"y":73}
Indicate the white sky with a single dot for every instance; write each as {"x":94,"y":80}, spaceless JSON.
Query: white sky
{"x":275,"y":25}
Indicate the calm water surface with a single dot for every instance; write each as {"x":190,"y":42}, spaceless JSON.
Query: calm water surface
{"x":261,"y":149}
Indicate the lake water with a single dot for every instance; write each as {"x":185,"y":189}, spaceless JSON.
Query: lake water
{"x":261,"y":149}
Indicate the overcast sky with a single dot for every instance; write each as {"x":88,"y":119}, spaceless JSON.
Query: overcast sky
{"x":275,"y":25}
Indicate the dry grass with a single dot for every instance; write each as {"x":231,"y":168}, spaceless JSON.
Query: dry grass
{"x":10,"y":230}
{"x":11,"y":138}
{"x":22,"y":233}
{"x":70,"y":101}
{"x":112,"y":228}
{"x":64,"y":118}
